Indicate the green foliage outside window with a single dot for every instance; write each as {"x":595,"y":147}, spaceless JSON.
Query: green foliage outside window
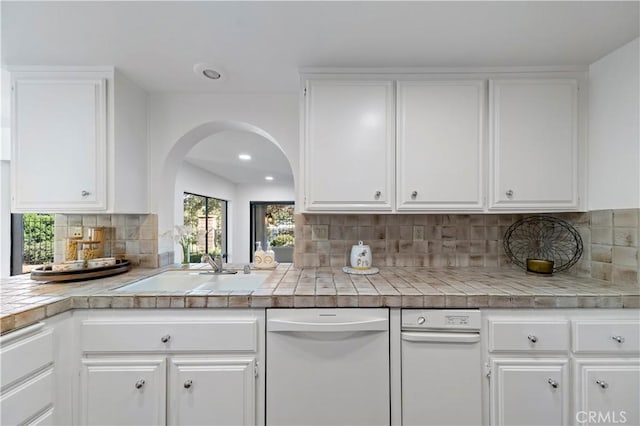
{"x":282,"y":240}
{"x":38,"y":238}
{"x":197,"y":210}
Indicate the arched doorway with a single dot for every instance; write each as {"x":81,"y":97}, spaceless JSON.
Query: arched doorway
{"x":168,"y":203}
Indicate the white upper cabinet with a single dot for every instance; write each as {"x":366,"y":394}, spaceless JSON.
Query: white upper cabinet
{"x":78,"y":141}
{"x":444,"y":142}
{"x":348,"y":153}
{"x":59,"y":143}
{"x":533,"y":129}
{"x":440,"y":145}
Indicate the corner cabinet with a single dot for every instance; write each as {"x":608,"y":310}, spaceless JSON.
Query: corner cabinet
{"x":348,"y":150}
{"x":533,"y":159}
{"x":59,"y":151}
{"x":440,"y":145}
{"x":78,"y":141}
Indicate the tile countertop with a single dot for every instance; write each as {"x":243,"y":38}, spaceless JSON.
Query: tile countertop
{"x":24,"y":301}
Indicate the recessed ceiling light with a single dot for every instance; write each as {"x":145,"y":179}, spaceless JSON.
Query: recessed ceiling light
{"x":244,"y":157}
{"x":212,"y":74}
{"x":207,"y":70}
{"x":268,"y":178}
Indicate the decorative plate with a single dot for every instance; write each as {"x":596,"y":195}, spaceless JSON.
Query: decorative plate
{"x":370,"y":271}
{"x":545,"y":238}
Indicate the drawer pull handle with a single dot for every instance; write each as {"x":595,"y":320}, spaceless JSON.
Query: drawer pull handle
{"x":140,"y":383}
{"x":165,"y":338}
{"x":532,"y":338}
{"x":602,"y":384}
{"x":414,"y":195}
{"x":509,"y":193}
{"x":618,"y":339}
{"x":85,"y":193}
{"x":378,"y":194}
{"x":553,"y":383}
{"x":188,"y":384}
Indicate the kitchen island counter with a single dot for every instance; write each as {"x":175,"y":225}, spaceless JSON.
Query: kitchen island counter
{"x":25,"y":301}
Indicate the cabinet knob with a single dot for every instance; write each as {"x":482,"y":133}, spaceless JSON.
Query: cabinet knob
{"x":165,"y":338}
{"x":602,"y":384}
{"x":553,"y":383}
{"x":188,"y":384}
{"x":414,"y":194}
{"x":421,"y":320}
{"x":378,"y":194}
{"x":532,"y":338}
{"x":509,"y":193}
{"x":140,"y":383}
{"x":618,"y":339}
{"x":85,"y":193}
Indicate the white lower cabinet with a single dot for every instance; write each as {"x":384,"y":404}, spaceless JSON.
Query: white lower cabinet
{"x":563,"y":367}
{"x":189,"y":368}
{"x":26,"y":375}
{"x":121,"y":391}
{"x":211,"y":391}
{"x":198,"y":391}
{"x":529,"y":392}
{"x":607,"y":391}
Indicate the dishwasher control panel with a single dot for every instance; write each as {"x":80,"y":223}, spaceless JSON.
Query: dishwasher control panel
{"x":440,"y":319}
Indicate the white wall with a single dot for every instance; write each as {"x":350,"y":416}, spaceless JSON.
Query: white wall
{"x":614,"y":129}
{"x":130,"y":145}
{"x":5,"y":183}
{"x":172,"y":116}
{"x":246,"y":194}
{"x":202,"y":182}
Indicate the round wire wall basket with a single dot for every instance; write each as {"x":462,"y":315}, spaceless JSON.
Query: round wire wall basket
{"x":545,"y":238}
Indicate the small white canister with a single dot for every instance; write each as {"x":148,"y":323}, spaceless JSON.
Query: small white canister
{"x":360,"y":256}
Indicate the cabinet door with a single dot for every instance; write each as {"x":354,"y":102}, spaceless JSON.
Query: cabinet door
{"x":349,"y":144}
{"x":440,"y":146}
{"x":59,"y":144}
{"x":607,"y":391}
{"x":533,"y":144}
{"x":212,"y":391}
{"x":123,"y":391}
{"x":529,"y":392}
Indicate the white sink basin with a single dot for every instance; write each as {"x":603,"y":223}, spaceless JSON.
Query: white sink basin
{"x":196,"y":280}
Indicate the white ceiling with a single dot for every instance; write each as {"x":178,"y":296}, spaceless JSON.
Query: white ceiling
{"x":259,"y":46}
{"x":219,"y":155}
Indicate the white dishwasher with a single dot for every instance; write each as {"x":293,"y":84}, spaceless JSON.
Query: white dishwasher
{"x":441,"y":367}
{"x":327,"y":367}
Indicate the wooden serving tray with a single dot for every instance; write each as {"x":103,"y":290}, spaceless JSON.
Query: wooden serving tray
{"x":44,"y":273}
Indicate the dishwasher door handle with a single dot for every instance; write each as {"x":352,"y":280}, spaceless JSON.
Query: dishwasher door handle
{"x":277,"y":325}
{"x":442,"y":337}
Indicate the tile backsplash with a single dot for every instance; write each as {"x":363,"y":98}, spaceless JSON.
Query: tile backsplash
{"x":130,"y":236}
{"x":610,"y":239}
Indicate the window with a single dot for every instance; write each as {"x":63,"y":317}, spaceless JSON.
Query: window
{"x":32,"y":239}
{"x":208,"y":216}
{"x":273,"y":223}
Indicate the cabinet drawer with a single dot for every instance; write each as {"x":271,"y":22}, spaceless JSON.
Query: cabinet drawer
{"x":529,"y":336}
{"x":613,"y":336}
{"x":22,"y":357}
{"x":128,"y":336}
{"x":28,"y":399}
